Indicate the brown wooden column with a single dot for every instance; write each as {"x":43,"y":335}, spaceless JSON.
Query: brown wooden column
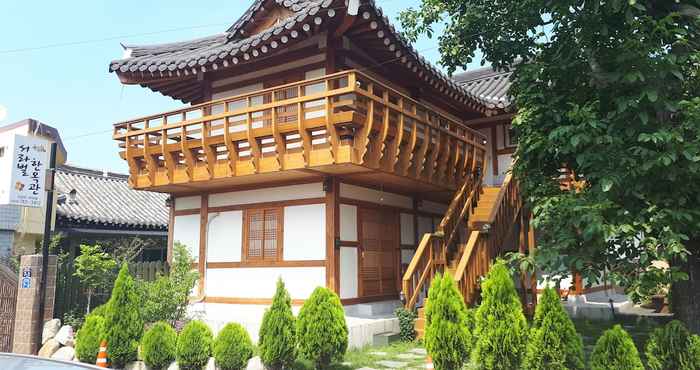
{"x":171,"y":229}
{"x":331,"y":186}
{"x":531,"y":251}
{"x":203,"y":222}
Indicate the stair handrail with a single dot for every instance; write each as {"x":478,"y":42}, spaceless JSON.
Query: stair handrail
{"x":485,"y":244}
{"x":432,"y":249}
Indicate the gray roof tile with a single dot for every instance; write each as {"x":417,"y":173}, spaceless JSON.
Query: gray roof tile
{"x":487,"y":85}
{"x":106,"y":199}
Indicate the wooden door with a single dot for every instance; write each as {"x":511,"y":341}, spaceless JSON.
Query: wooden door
{"x":378,"y":252}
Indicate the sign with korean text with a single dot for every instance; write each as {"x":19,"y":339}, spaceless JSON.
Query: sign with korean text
{"x":23,"y":166}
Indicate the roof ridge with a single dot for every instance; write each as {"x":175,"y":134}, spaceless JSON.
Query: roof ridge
{"x":69,"y":168}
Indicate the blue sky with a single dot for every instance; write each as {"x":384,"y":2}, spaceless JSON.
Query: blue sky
{"x":68,"y":85}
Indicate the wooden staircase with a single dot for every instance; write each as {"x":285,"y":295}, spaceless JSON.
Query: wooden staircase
{"x":491,"y":217}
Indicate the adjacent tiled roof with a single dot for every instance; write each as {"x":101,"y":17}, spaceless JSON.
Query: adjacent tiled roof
{"x":147,"y":64}
{"x":487,"y":85}
{"x":105,"y":199}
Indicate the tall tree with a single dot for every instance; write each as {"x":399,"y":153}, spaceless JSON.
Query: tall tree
{"x":95,"y":269}
{"x":608,"y":89}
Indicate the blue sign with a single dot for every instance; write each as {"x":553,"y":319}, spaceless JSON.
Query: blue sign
{"x":26,"y":283}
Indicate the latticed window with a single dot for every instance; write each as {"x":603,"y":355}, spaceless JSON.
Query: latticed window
{"x":263,"y":234}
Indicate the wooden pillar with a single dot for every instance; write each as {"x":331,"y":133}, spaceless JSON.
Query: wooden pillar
{"x":494,"y":150}
{"x":531,"y":251}
{"x":331,"y":187}
{"x":171,"y":229}
{"x":522,"y":247}
{"x":202,"y":262}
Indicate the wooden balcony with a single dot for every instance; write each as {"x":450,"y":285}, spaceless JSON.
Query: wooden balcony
{"x":345,"y":124}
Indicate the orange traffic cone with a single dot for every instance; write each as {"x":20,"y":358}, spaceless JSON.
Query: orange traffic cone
{"x":102,"y":355}
{"x":428,"y":362}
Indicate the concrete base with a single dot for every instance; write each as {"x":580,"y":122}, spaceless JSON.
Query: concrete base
{"x":605,"y":305}
{"x":364,"y":322}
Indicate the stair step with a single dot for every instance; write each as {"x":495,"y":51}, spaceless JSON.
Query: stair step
{"x":384,"y":339}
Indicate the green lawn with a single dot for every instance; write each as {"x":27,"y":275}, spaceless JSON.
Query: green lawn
{"x":370,"y":356}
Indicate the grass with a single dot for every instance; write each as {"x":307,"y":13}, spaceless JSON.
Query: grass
{"x":368,"y":357}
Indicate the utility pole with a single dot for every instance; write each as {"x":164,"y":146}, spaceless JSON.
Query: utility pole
{"x":48,"y":217}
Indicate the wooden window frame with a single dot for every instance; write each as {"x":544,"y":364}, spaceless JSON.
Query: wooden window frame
{"x":279,"y":236}
{"x":507,"y":137}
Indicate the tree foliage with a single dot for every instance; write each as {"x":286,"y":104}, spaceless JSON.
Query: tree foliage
{"x":615,"y":350}
{"x":123,"y":323}
{"x":158,"y":346}
{"x":322,"y":332}
{"x":501,"y":328}
{"x":194,"y":346}
{"x":447,"y":336}
{"x":277,"y":335}
{"x":608,"y":89}
{"x":95,"y":269}
{"x":232,"y":348}
{"x":672,"y":347}
{"x":553,"y":342}
{"x":88,"y":338}
{"x":166,"y":298}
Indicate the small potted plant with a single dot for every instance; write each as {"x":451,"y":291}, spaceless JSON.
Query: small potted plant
{"x":658,"y":299}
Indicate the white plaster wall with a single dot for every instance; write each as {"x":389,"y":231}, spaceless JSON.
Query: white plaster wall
{"x":260,"y":282}
{"x":407,"y":229}
{"x":186,"y":231}
{"x":375,"y":196}
{"x":225,"y":236}
{"x":432,"y":207}
{"x":238,"y":91}
{"x":348,"y":223}
{"x":193,"y":202}
{"x":304,"y":232}
{"x":281,"y":193}
{"x":348,"y":272}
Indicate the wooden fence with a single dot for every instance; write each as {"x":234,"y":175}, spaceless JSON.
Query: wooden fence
{"x":8,"y":302}
{"x":71,"y":297}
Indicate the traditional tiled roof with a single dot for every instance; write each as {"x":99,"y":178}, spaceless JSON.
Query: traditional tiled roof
{"x":171,"y":68}
{"x":487,"y":85}
{"x":104,"y":199}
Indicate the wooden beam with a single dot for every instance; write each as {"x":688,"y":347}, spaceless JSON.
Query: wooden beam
{"x":332,"y":232}
{"x":494,"y":153}
{"x":203,"y":222}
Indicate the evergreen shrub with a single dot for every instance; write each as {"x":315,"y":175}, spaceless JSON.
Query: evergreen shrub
{"x":447,"y":338}
{"x":615,"y":350}
{"x":501,"y":329}
{"x":672,"y":347}
{"x":123,"y":323}
{"x":277,"y":336}
{"x":321,"y":329}
{"x":88,"y":338}
{"x":407,"y":324}
{"x":232,"y":348}
{"x":553,"y":342}
{"x":158,"y":345}
{"x":194,"y":345}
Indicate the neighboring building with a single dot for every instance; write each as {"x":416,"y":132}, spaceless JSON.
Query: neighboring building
{"x":96,"y":207}
{"x":22,"y":228}
{"x":320,"y":147}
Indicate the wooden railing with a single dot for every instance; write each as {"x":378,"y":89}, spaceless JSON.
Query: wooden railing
{"x":346,"y":117}
{"x":431,"y":254}
{"x":486,"y":243}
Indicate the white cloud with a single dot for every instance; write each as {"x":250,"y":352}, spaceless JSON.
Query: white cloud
{"x":3,"y":112}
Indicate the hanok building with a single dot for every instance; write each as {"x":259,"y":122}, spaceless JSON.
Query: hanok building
{"x":321,"y":148}
{"x":99,"y":207}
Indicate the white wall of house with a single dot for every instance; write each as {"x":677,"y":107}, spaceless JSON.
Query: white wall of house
{"x":348,"y":272}
{"x":375,"y":196}
{"x":186,"y":231}
{"x":276,"y":194}
{"x":260,"y":282}
{"x":305,"y":232}
{"x":224,"y":236}
{"x":504,"y":160}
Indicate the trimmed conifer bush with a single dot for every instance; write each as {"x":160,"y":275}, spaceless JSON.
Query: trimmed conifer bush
{"x":615,"y":350}
{"x":447,"y":337}
{"x":88,"y":338}
{"x":232,"y":348}
{"x":194,"y":346}
{"x":123,"y":323}
{"x":672,"y":347}
{"x":501,"y":328}
{"x":553,"y":342}
{"x":321,"y":329}
{"x":158,"y":345}
{"x":277,"y":336}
